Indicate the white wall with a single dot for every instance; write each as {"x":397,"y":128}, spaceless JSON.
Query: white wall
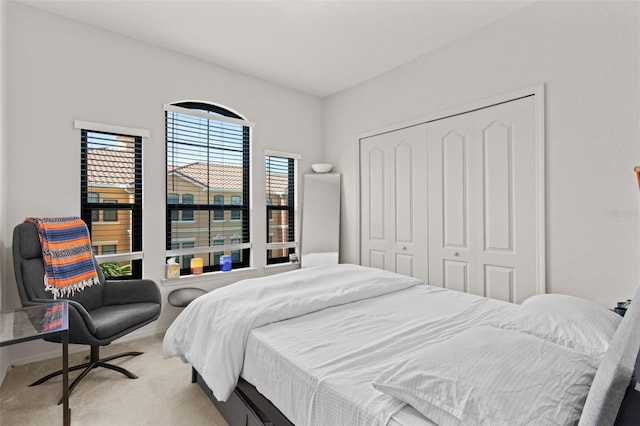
{"x":60,"y":71}
{"x":587,"y":54}
{"x":4,"y":240}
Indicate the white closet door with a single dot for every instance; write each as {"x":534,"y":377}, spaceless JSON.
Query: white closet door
{"x":393,"y":201}
{"x":482,"y":210}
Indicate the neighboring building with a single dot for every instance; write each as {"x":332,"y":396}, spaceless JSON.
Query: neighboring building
{"x":110,"y":181}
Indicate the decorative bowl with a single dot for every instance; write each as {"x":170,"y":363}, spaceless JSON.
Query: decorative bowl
{"x":322,"y":167}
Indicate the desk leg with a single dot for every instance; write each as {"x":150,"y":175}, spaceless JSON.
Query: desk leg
{"x":66,"y":412}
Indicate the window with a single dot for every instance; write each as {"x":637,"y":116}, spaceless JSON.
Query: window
{"x":111,"y":183}
{"x":173,"y":199}
{"x":109,"y":249}
{"x":281,"y":207}
{"x":235,"y":214}
{"x":218,"y":212}
{"x":110,"y":215}
{"x":207,"y":152}
{"x":94,"y":197}
{"x":187,"y":199}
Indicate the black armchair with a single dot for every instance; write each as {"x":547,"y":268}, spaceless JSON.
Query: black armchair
{"x":97,"y":315}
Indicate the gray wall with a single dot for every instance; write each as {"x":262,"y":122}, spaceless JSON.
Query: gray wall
{"x":587,"y":54}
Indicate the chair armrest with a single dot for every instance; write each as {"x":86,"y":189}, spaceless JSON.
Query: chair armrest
{"x":77,"y":314}
{"x":122,"y":292}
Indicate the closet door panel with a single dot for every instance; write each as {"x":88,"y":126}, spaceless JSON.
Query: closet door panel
{"x":449,"y":198}
{"x":482,"y":201}
{"x":377,"y":203}
{"x":403,"y":189}
{"x":393,"y":201}
{"x":498,"y":187}
{"x":507,"y":246}
{"x":456,"y":275}
{"x":454,"y":189}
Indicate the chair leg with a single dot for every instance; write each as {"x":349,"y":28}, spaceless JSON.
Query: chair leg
{"x":94,"y":362}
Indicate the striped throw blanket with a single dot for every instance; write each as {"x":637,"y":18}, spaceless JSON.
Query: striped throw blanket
{"x":66,"y":251}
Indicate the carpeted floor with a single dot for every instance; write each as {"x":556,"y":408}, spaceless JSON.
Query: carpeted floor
{"x":162,"y":395}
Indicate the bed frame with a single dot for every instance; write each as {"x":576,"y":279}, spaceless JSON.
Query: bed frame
{"x":248,"y":407}
{"x":245,"y":407}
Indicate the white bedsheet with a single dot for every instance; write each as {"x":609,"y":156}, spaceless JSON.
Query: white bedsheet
{"x":211,"y":333}
{"x":318,"y":368}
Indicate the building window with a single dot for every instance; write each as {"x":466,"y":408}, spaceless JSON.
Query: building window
{"x":281,"y":207}
{"x":236,"y":214}
{"x":94,"y":197}
{"x":207,"y":152}
{"x":110,"y":215}
{"x":173,"y":199}
{"x":111,"y":182}
{"x":218,"y":212}
{"x":109,"y":249}
{"x":187,"y":214}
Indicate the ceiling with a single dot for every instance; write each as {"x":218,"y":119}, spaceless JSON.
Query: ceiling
{"x":317,"y":47}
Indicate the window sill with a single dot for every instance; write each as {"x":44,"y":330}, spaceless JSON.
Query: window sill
{"x":281,"y":267}
{"x":191,"y":279}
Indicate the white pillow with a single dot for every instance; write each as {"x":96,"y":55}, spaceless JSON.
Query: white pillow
{"x":573,"y":308}
{"x":492,"y":376}
{"x":571,"y":321}
{"x":587,"y":338}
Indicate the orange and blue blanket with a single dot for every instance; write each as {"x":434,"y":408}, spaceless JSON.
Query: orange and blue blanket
{"x":67,"y":255}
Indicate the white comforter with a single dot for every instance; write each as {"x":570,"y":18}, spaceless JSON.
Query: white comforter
{"x":212,"y":332}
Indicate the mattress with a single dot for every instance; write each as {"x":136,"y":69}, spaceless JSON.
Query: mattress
{"x":321,"y":365}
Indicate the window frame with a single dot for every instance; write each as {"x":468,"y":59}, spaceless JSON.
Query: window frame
{"x":216,"y":209}
{"x":87,"y":208}
{"x":291,"y":208}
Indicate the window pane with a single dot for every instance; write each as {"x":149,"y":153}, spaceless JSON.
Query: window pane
{"x":208,"y":168}
{"x":111,"y":174}
{"x":280,"y":187}
{"x":279,"y":230}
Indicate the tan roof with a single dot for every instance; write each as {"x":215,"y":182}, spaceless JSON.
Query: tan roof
{"x":115,"y":167}
{"x":108,"y":166}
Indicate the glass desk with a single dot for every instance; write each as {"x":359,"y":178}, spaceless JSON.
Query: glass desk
{"x":35,"y":322}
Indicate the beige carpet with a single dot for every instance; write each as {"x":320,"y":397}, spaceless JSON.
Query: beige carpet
{"x":162,"y":395}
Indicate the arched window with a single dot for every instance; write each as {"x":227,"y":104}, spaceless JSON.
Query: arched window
{"x":208,"y":154}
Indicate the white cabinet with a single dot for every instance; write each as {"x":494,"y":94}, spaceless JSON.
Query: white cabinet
{"x":321,"y":217}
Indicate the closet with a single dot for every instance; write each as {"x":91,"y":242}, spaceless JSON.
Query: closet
{"x":456,"y":201}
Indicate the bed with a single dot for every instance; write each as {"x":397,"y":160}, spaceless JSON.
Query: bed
{"x":351,"y":345}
